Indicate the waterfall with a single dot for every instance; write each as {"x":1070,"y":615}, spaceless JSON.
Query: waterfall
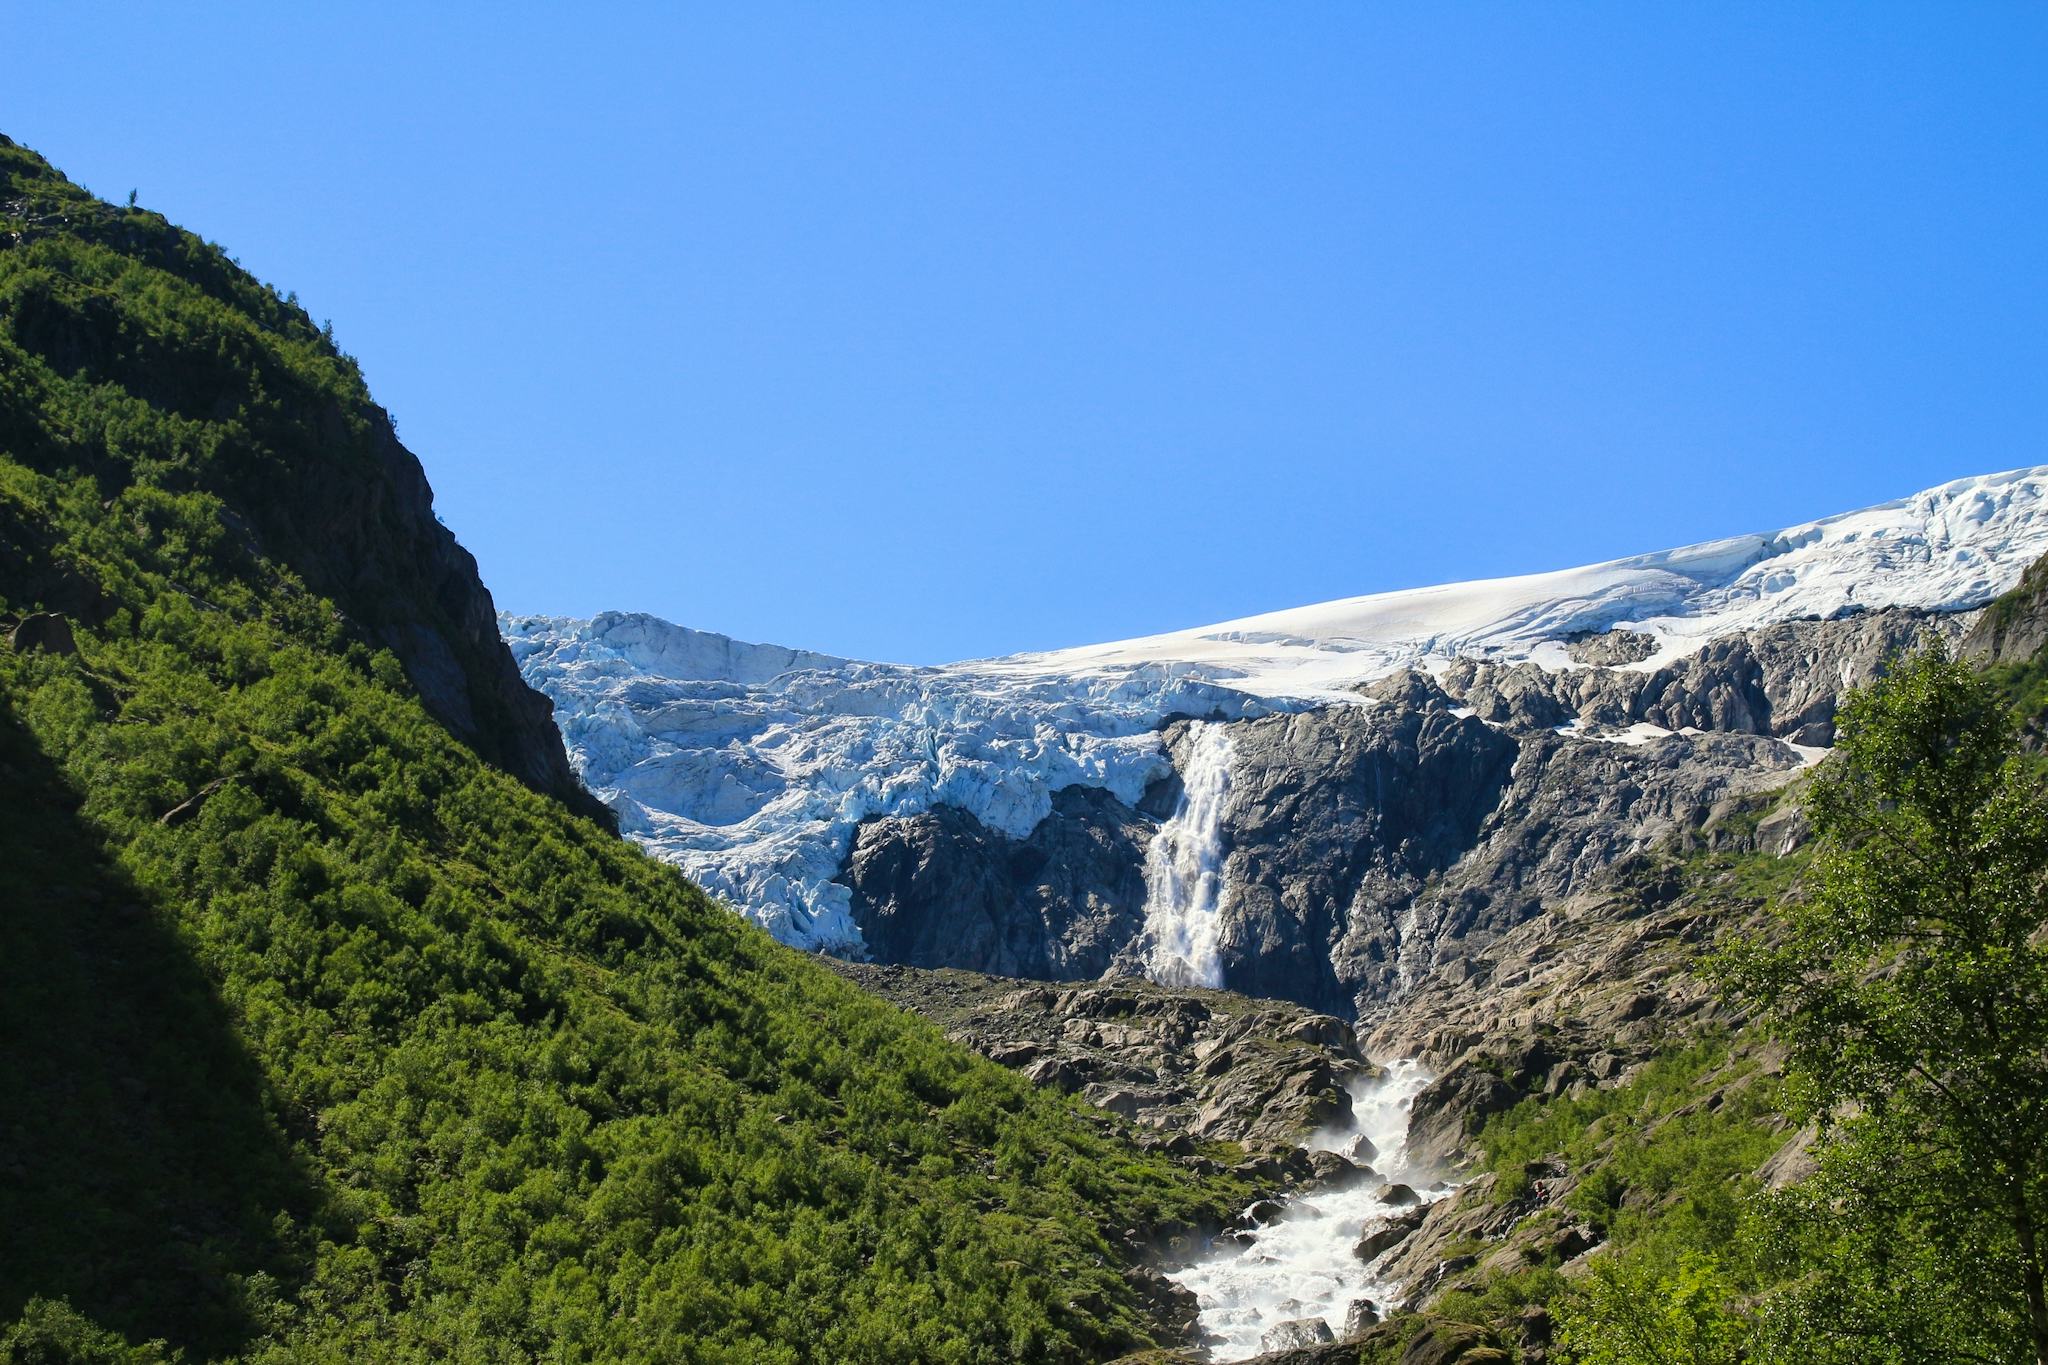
{"x":1184,"y":869}
{"x":1301,"y":1263}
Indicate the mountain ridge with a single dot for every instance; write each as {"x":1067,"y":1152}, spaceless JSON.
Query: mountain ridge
{"x":758,"y":785}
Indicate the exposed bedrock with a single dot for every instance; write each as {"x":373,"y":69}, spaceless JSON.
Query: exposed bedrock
{"x":1338,"y":818}
{"x":943,"y":890}
{"x":1186,"y":1062}
{"x":1368,"y":848}
{"x":2014,"y":629}
{"x":1783,"y":680}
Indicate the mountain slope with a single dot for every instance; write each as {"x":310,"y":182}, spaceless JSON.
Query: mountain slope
{"x":321,"y":1038}
{"x":247,"y":400}
{"x":782,"y":779}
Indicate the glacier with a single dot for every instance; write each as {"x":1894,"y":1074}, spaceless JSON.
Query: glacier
{"x":751,"y":765}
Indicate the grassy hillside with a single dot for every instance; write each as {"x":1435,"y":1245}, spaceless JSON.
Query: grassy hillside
{"x":321,"y":1038}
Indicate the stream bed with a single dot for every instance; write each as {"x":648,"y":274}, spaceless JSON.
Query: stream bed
{"x":1301,"y":1264}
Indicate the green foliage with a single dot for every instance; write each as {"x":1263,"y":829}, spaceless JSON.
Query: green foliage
{"x":1652,"y":1163}
{"x":1632,"y":1312}
{"x":1911,"y":985}
{"x":1906,"y":981}
{"x":1860,"y":1265}
{"x":53,"y":1333}
{"x":2025,"y":689}
{"x":325,"y":1040}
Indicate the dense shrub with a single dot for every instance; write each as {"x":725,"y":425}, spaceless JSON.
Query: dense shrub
{"x":320,"y":1039}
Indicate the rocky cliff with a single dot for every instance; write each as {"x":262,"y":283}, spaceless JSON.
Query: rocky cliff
{"x":1196,"y":1063}
{"x":310,"y":469}
{"x":1386,"y":781}
{"x":1368,"y":847}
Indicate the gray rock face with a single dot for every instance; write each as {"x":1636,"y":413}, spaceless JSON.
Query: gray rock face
{"x":1610,"y":648}
{"x":1190,"y":1063}
{"x":943,"y":890}
{"x":1335,"y":817}
{"x":1335,"y":1171}
{"x":364,"y":533}
{"x":1379,"y":1240}
{"x":1783,"y":681}
{"x":1370,"y":848}
{"x":2013,"y":629}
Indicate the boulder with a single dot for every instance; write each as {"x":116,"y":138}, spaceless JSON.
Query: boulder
{"x":1166,"y":1303}
{"x":1260,"y":1213}
{"x":1361,"y":1150}
{"x":1296,"y":1333}
{"x":1334,"y":1171}
{"x":1453,"y":1343}
{"x":1388,"y":1235}
{"x":1060,"y":1073}
{"x":1792,"y":1162}
{"x":1361,"y":1315}
{"x":1453,"y":1108}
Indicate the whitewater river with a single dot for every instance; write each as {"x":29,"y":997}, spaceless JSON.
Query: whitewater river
{"x":1300,"y":1265}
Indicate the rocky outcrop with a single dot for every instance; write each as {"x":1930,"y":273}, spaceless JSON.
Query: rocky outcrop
{"x":1609,"y":648}
{"x":941,"y":889}
{"x":1371,"y":846}
{"x":1295,"y":1333}
{"x":1337,"y":819}
{"x":362,"y":531}
{"x":1190,"y":1063}
{"x":2013,"y":629}
{"x":1368,"y":848}
{"x":1783,"y":680}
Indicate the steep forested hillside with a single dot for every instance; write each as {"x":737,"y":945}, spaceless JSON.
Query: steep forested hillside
{"x":323,"y":1037}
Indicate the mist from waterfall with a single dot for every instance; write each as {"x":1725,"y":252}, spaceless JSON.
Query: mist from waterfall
{"x":1184,"y":869}
{"x":1301,"y":1263}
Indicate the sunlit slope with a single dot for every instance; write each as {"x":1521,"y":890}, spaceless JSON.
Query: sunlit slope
{"x":322,"y":1038}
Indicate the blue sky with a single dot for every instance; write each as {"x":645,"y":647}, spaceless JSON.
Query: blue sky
{"x":929,"y":331}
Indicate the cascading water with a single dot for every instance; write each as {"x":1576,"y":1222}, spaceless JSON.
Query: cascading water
{"x":1302,"y":1264}
{"x":1184,"y":870}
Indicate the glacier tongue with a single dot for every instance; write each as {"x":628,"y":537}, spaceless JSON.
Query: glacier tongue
{"x":754,"y":779}
{"x":751,"y":765}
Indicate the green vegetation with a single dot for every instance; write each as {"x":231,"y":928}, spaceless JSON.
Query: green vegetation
{"x":1905,"y":985}
{"x":326,"y":1040}
{"x":1657,"y":1164}
{"x":1911,"y":987}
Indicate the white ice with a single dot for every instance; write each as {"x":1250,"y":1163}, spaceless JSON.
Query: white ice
{"x":752,"y":765}
{"x":1954,"y":546}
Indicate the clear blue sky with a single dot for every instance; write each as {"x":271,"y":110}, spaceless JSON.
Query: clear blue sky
{"x":921,"y":332}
